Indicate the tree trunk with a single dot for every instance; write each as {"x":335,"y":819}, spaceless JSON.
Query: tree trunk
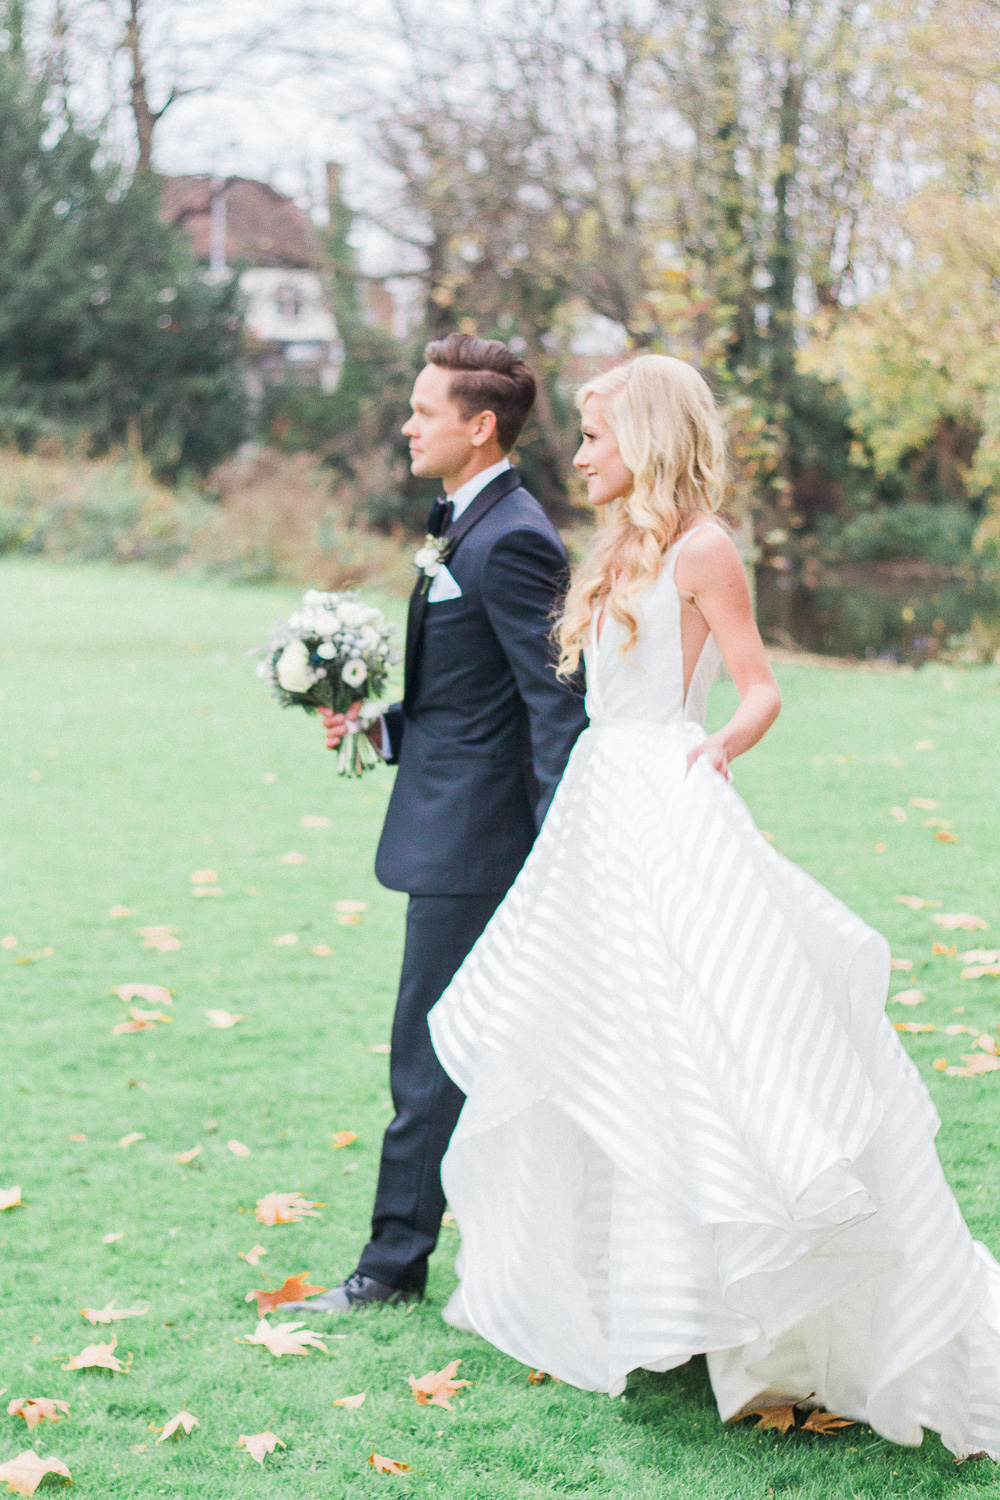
{"x":145,"y":119}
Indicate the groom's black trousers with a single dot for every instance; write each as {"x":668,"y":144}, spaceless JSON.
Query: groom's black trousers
{"x":409,"y":1200}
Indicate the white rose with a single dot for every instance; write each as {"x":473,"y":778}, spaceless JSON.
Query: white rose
{"x":354,"y":672}
{"x":313,"y":598}
{"x":427,"y":561}
{"x":293,"y":670}
{"x":369,"y":638}
{"x":375,"y":617}
{"x":353,"y":614}
{"x":325,"y":622}
{"x":327,"y":650}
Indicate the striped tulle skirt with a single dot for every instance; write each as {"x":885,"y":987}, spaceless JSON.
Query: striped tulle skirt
{"x":690,"y":1127}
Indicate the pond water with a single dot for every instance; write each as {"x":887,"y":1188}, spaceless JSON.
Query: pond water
{"x":900,"y":611}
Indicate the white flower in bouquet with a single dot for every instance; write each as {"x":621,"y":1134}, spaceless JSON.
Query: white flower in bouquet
{"x":293,"y":670}
{"x":332,"y":651}
{"x":352,"y":614}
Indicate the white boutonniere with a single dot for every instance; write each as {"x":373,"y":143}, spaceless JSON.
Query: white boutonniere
{"x":430,"y":558}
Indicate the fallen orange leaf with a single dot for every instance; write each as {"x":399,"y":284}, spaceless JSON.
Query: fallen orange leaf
{"x":8,"y":942}
{"x":131,"y":1138}
{"x":940,"y":1063}
{"x":183,"y":1157}
{"x":120,"y":911}
{"x":537,"y":1377}
{"x":286,"y":940}
{"x":315,"y":822}
{"x":260,"y":1444}
{"x":981,"y":956}
{"x":349,"y":918}
{"x":387,"y":1465}
{"x":941,"y":950}
{"x":772,"y":1418}
{"x":916,"y":903}
{"x":184,"y":1419}
{"x":109,"y":1239}
{"x":979,"y":971}
{"x":285,"y":1338}
{"x":923,"y":744}
{"x":97,"y":1357}
{"x":913,"y":1026}
{"x":9,"y":1197}
{"x":25,"y":1472}
{"x":222,"y":1019}
{"x":155,"y":994}
{"x":434,"y":1388}
{"x":341,"y":1138}
{"x":252,"y":1256}
{"x":207,"y":890}
{"x":943,"y":836}
{"x":204,"y":877}
{"x":951,"y":920}
{"x":352,"y":1401}
{"x":293,"y":858}
{"x":321,"y":950}
{"x":285,"y":1208}
{"x":35,"y":1409}
{"x":293,"y":1289}
{"x":77,"y":1137}
{"x":238,"y":1148}
{"x":926,"y":804}
{"x":909,"y":997}
{"x":350,"y":907}
{"x":825,"y":1421}
{"x":901,"y":963}
{"x":898,"y":814}
{"x":111,"y":1314}
{"x":382,"y":1048}
{"x":125,"y":1027}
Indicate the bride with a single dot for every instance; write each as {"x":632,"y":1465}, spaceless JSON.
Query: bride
{"x":690,"y":1127}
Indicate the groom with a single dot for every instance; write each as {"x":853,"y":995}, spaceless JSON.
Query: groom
{"x":481,"y":740}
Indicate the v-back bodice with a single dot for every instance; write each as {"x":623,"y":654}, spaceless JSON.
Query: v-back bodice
{"x":647,"y":683}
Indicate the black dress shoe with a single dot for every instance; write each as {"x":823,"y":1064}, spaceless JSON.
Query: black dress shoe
{"x":356,"y":1291}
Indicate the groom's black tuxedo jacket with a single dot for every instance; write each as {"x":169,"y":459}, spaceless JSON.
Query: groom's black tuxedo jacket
{"x":485,"y":729}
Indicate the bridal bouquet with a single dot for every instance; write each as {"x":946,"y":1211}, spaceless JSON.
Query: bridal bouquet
{"x":333,"y":651}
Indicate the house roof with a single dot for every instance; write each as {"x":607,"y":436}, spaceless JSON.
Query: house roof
{"x":263,"y":227}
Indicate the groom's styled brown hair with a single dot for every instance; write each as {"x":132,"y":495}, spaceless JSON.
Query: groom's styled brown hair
{"x":488,"y":377}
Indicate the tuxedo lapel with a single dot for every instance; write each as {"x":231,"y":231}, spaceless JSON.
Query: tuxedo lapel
{"x":504,"y":483}
{"x":495,"y":491}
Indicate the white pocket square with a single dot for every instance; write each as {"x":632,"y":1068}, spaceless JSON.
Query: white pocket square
{"x":443,"y":586}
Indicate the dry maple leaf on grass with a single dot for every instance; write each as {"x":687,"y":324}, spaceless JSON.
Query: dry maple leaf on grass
{"x":184,"y":1158}
{"x":352,"y":1402}
{"x":252,"y":1256}
{"x":10,"y":1198}
{"x":341,"y":1138}
{"x":238,"y":1148}
{"x":387,"y":1465}
{"x":35,"y":1409}
{"x":111,"y":1313}
{"x":260,"y":1444}
{"x":909,"y":997}
{"x":434,"y":1388}
{"x":153,"y":994}
{"x":293,"y":1289}
{"x":285,"y":1338}
{"x":285,"y":1208}
{"x":782,"y":1419}
{"x":184,"y":1420}
{"x":98,"y":1357}
{"x":222,"y":1019}
{"x":25,"y":1472}
{"x":131,"y":1138}
{"x":951,"y":921}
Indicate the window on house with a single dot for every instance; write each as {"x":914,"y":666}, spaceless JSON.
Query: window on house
{"x":289,"y":300}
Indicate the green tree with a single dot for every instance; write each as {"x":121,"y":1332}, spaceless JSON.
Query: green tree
{"x":107,"y":325}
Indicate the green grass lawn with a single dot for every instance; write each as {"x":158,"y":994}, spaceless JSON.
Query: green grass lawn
{"x":136,"y":747}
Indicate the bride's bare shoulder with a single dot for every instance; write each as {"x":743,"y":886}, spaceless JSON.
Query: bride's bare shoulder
{"x":708,"y":550}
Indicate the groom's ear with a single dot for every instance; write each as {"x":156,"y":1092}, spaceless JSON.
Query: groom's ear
{"x":484,"y":427}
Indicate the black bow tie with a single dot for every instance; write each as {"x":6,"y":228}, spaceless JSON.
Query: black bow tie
{"x":440,"y":517}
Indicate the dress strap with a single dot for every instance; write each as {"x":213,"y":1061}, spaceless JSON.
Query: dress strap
{"x":675,"y":547}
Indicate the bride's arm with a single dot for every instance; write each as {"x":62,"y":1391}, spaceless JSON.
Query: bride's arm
{"x":710,"y":575}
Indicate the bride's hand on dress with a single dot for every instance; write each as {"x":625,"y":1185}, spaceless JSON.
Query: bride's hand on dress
{"x":714,"y":751}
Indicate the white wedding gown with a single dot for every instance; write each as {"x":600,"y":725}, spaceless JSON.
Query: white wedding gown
{"x":690,"y":1126}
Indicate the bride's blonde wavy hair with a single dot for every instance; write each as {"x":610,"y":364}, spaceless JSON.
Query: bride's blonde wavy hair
{"x":667,"y":426}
